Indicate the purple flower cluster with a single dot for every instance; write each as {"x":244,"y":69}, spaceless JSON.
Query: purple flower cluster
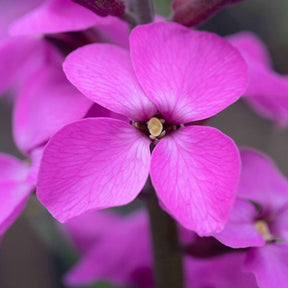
{"x":99,"y":112}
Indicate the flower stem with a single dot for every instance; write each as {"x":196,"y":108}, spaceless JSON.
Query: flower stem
{"x":167,"y":253}
{"x":143,"y":10}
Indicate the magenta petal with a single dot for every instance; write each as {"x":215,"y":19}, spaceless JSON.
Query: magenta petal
{"x":195,"y":172}
{"x":269,"y":264}
{"x":251,"y":47}
{"x":46,"y":105}
{"x":92,"y":164}
{"x":261,"y":181}
{"x":35,"y":156}
{"x":267,"y":94}
{"x":11,"y":10}
{"x":225,"y":271}
{"x":189,"y":75}
{"x":267,"y":91}
{"x":105,"y":75}
{"x":55,"y":16}
{"x":239,"y":231}
{"x":86,"y":230}
{"x":13,"y":197}
{"x":19,"y":58}
{"x":12,"y":169}
{"x":118,"y":255}
{"x":14,"y":190}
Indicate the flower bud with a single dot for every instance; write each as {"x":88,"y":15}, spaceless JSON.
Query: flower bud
{"x":104,"y":7}
{"x":195,"y":12}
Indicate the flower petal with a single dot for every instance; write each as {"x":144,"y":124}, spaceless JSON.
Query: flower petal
{"x":46,"y":105}
{"x":105,"y":75}
{"x":189,"y":75}
{"x":55,"y":16}
{"x":225,"y":271}
{"x":11,"y":10}
{"x":19,"y":58}
{"x":131,"y":251}
{"x":269,"y":264}
{"x":261,"y":181}
{"x":239,"y":231}
{"x":12,"y":169}
{"x":88,"y":229}
{"x":35,"y":156}
{"x":195,"y":172}
{"x":267,"y":94}
{"x":267,"y":91}
{"x":92,"y":164}
{"x":13,"y":197}
{"x":251,"y":47}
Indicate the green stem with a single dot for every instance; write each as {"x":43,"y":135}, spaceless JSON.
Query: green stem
{"x":143,"y":9}
{"x":167,"y":253}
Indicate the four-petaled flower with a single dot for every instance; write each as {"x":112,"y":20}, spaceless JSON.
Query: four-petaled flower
{"x":171,"y":77}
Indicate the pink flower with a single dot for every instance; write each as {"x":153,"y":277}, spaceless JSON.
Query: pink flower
{"x":260,"y":220}
{"x":267,"y":91}
{"x":56,"y":16}
{"x":129,"y":261}
{"x":173,"y":76}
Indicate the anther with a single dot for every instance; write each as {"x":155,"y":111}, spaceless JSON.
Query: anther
{"x":155,"y":127}
{"x":263,"y":228}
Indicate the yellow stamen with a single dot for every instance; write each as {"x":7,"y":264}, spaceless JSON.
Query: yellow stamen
{"x":264,"y":230}
{"x":155,"y":127}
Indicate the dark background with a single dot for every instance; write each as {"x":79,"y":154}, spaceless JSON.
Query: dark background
{"x":34,"y":255}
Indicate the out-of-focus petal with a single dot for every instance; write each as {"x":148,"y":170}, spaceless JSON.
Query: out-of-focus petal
{"x":267,"y":94}
{"x":189,"y":75}
{"x":46,"y":105}
{"x":240,"y":231}
{"x":19,"y":58}
{"x":11,"y":10}
{"x":116,"y":32}
{"x":55,"y":16}
{"x":105,"y":75}
{"x":261,"y":181}
{"x":12,"y":169}
{"x":225,"y":271}
{"x":92,"y":164}
{"x":251,"y":47}
{"x":13,"y":197}
{"x":279,"y":223}
{"x":269,"y":265}
{"x":118,"y":256}
{"x":195,"y":172}
{"x":35,"y":156}
{"x":267,"y":91}
{"x":88,"y":229}
{"x":14,"y":190}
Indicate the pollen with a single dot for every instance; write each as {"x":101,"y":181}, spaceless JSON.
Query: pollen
{"x":263,"y":228}
{"x":155,"y":127}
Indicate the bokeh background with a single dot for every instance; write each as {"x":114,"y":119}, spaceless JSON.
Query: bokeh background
{"x":33,"y":254}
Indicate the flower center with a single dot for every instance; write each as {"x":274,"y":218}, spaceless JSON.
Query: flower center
{"x":263,"y":228}
{"x":156,"y":127}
